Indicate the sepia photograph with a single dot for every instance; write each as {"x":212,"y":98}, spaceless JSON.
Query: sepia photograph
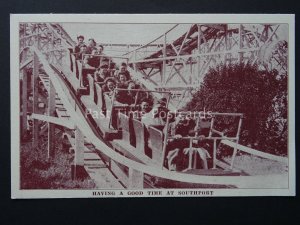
{"x":152,"y":106}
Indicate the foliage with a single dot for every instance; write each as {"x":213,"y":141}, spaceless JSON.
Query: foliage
{"x":260,"y":95}
{"x":38,"y":173}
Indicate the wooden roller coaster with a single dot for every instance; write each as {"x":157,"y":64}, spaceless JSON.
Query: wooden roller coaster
{"x":102,"y":130}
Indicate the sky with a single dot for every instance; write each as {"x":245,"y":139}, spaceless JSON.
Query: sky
{"x":129,"y":33}
{"x":134,"y":33}
{"x":117,"y":33}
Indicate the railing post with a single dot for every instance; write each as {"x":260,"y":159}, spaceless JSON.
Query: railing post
{"x":215,"y":154}
{"x":51,"y":127}
{"x":165,"y":140}
{"x":233,"y":155}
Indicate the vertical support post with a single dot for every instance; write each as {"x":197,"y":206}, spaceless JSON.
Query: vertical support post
{"x":241,"y":43}
{"x":163,"y":71}
{"x":79,"y":147}
{"x":51,"y":127}
{"x":37,"y":40}
{"x":134,"y":64}
{"x":267,"y":32}
{"x":191,"y":152}
{"x":78,"y":171}
{"x":165,"y":140}
{"x":136,"y":179}
{"x":110,"y":110}
{"x":199,"y":51}
{"x":233,"y":155}
{"x":190,"y":160}
{"x":211,"y":126}
{"x":24,"y":101}
{"x":215,"y":154}
{"x":195,"y":160}
{"x":226,"y":44}
{"x":35,"y":75}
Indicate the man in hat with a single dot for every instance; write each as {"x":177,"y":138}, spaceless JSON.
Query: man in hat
{"x":157,"y":117}
{"x":79,"y":45}
{"x":91,"y":46}
{"x":124,"y":70}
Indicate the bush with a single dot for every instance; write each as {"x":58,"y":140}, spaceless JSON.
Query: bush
{"x":38,"y":173}
{"x":260,"y":95}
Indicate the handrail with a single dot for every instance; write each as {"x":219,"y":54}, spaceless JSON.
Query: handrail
{"x":192,"y":55}
{"x":105,"y":56}
{"x":211,"y":113}
{"x":255,"y":152}
{"x":142,"y":90}
{"x":153,"y":40}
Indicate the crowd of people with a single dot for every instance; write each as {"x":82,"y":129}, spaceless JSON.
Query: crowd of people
{"x":129,"y":93}
{"x":107,"y":74}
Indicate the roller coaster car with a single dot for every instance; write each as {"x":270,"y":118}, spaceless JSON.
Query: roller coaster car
{"x":134,"y":129}
{"x":94,"y":106}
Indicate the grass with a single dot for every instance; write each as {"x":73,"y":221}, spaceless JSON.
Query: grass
{"x":37,"y":173}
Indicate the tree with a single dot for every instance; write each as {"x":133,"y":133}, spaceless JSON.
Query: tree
{"x":260,"y":95}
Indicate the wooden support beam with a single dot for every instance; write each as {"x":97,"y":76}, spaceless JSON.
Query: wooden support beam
{"x":148,"y":78}
{"x":78,"y":170}
{"x":51,"y":126}
{"x":55,"y":120}
{"x":180,"y":75}
{"x":163,"y":69}
{"x":213,"y":52}
{"x":24,"y":64}
{"x":24,"y":102}
{"x":136,"y":179}
{"x":35,"y":129}
{"x":79,"y":147}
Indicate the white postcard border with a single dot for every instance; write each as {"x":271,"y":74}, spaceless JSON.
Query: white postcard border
{"x":144,"y":18}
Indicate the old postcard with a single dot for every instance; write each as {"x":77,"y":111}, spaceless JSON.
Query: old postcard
{"x":115,"y":105}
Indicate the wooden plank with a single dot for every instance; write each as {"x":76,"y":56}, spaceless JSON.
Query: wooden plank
{"x":255,"y":152}
{"x":103,"y":178}
{"x":55,"y":120}
{"x":35,"y":129}
{"x":131,"y":152}
{"x":119,"y":172}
